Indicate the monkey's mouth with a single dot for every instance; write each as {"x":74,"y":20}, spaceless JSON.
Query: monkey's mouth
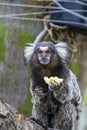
{"x":44,"y":61}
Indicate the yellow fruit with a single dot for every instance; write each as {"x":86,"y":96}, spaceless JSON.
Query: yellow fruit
{"x":52,"y":79}
{"x":19,"y":117}
{"x":46,"y":79}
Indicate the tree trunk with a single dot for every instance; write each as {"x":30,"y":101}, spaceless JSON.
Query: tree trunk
{"x":83,"y":63}
{"x":82,"y":78}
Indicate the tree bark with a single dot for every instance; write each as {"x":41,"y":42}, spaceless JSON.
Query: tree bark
{"x":83,"y":63}
{"x":10,"y":119}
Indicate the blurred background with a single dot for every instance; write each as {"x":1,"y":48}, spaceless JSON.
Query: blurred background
{"x":17,"y":30}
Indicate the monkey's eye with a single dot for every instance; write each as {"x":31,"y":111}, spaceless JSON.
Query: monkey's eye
{"x":48,"y":51}
{"x":39,"y":51}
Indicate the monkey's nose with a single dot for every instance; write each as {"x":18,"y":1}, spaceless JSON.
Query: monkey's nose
{"x":44,"y":54}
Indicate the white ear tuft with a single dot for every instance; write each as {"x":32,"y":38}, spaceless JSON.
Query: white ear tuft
{"x":28,"y":51}
{"x":63,"y":50}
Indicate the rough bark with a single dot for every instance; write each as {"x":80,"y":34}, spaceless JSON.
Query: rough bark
{"x":9,"y":119}
{"x":83,"y":63}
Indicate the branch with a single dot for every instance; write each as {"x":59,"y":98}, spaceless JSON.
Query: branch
{"x":10,"y":119}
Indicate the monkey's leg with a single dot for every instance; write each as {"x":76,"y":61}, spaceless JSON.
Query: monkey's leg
{"x":39,"y":115}
{"x":65,"y":117}
{"x":40,"y":106}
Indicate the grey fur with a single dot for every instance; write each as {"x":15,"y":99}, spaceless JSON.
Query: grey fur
{"x":28,"y":51}
{"x":63,"y":50}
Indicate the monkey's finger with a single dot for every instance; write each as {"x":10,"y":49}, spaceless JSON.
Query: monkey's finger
{"x":53,"y":83}
{"x":38,"y":89}
{"x":50,"y":84}
{"x":52,"y":129}
{"x":53,"y":88}
{"x":38,"y":92}
{"x":58,"y":80}
{"x":57,"y":83}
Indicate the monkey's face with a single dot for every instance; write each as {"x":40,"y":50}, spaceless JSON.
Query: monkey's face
{"x":44,"y":54}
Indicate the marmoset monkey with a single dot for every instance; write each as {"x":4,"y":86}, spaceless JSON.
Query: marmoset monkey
{"x":54,"y":88}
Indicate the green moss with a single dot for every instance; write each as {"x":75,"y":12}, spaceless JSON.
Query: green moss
{"x":85,"y":98}
{"x":6,"y":78}
{"x":85,"y":93}
{"x":74,"y":66}
{"x":25,"y":37}
{"x":26,"y":107}
{"x":2,"y":46}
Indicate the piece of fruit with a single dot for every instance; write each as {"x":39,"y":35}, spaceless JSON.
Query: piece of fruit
{"x":53,"y":79}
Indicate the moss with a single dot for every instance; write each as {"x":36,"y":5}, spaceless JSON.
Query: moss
{"x":74,"y":66}
{"x":2,"y":46}
{"x":25,"y":37}
{"x":7,"y":78}
{"x":85,"y":98}
{"x":26,"y":107}
{"x":85,"y":93}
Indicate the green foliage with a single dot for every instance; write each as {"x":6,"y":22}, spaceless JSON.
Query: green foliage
{"x":2,"y":46}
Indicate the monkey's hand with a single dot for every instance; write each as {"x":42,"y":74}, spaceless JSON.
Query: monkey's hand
{"x":53,"y":82}
{"x":40,"y":93}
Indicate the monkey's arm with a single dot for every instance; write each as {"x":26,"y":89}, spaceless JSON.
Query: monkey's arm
{"x":39,"y":96}
{"x":75,"y":90}
{"x":40,"y":104}
{"x":67,"y":90}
